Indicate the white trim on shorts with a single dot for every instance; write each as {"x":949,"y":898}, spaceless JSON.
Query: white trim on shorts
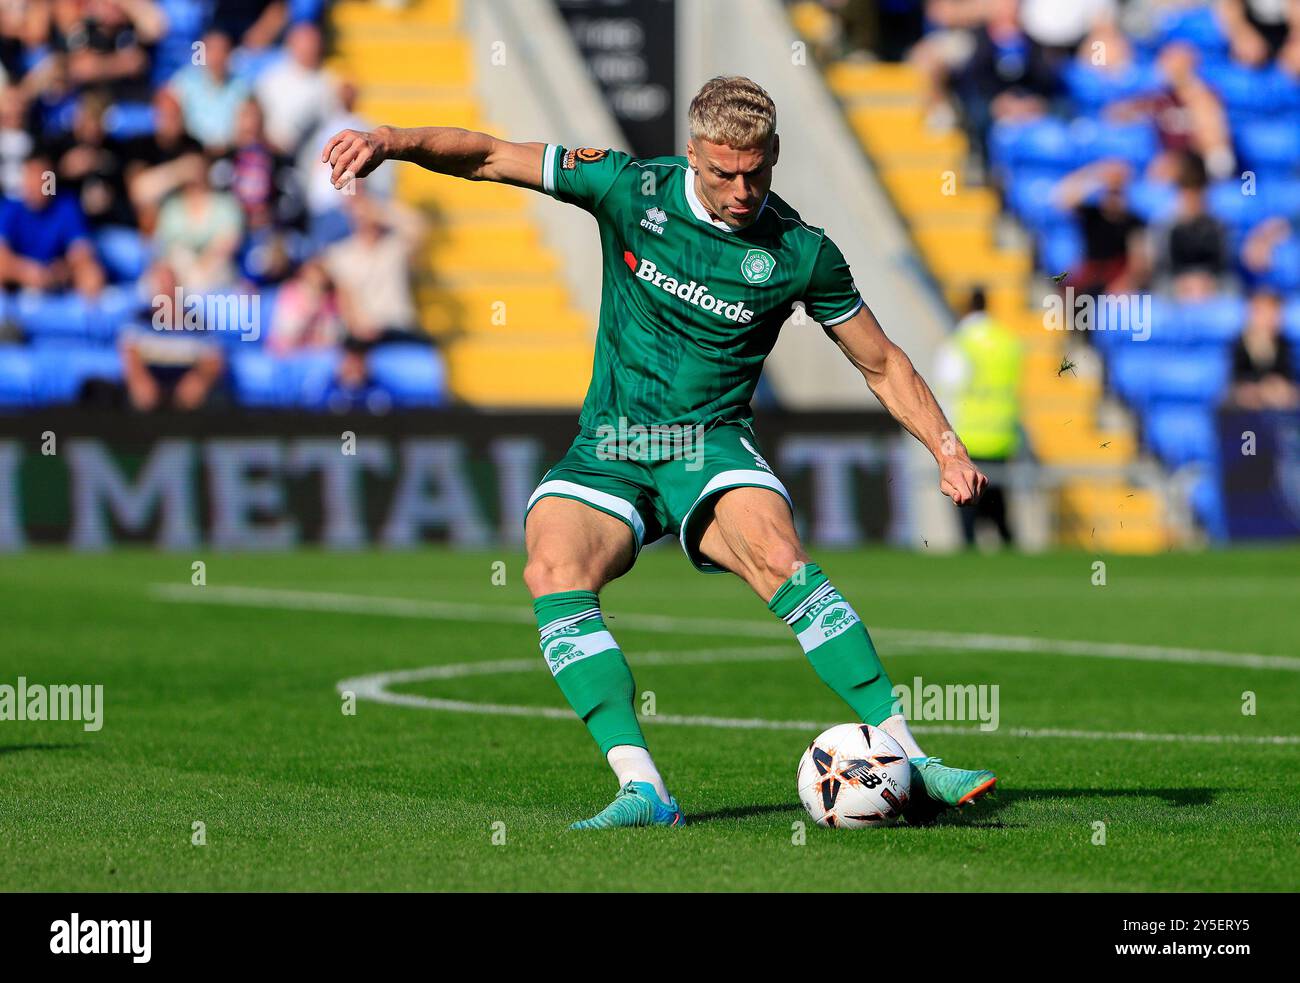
{"x":622,"y":508}
{"x":740,"y":478}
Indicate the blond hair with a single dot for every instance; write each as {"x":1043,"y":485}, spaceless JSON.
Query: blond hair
{"x":733,"y":111}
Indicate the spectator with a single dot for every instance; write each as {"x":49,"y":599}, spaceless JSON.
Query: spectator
{"x":306,"y":312}
{"x":327,"y":220}
{"x":1263,"y":362}
{"x":1191,"y":250}
{"x":1260,"y":249}
{"x":297,"y":93}
{"x":1113,"y":257}
{"x":1259,"y":29}
{"x":108,"y":44}
{"x":980,"y":371}
{"x":92,"y":168}
{"x":15,"y":140}
{"x":165,"y":365}
{"x":253,"y":24}
{"x":372,"y":270}
{"x":209,"y":95}
{"x":44,"y":241}
{"x":152,"y":171}
{"x":199,"y":231}
{"x":942,"y":52}
{"x":1188,"y":116}
{"x":1059,"y":27}
{"x":264,"y":183}
{"x":1009,"y":75}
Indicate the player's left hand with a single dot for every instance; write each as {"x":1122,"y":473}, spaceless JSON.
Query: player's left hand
{"x":962,"y":481}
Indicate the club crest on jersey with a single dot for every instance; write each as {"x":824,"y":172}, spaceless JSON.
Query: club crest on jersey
{"x":654,"y":220}
{"x":757,"y":265}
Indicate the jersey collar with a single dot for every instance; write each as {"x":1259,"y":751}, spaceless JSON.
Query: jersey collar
{"x":702,"y":213}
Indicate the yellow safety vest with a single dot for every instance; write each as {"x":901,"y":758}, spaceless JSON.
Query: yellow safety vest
{"x":988,"y":408}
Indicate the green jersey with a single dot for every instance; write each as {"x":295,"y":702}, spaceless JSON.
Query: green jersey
{"x":689,"y":307}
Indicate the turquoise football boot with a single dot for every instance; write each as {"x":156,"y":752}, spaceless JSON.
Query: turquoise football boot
{"x":637,"y":804}
{"x":946,"y":786}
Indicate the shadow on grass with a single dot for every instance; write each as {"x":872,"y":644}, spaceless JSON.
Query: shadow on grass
{"x":15,"y":748}
{"x":984,"y":813}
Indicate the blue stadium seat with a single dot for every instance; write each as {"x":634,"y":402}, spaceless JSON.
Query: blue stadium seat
{"x":1198,"y":26}
{"x":1207,"y":504}
{"x":1152,"y":201}
{"x":127,"y":120}
{"x":1291,"y":319}
{"x":1043,"y":142}
{"x":1030,"y":195}
{"x":256,"y":379}
{"x":308,"y":375}
{"x":413,"y":374}
{"x":1198,"y":375}
{"x":123,"y":251}
{"x":61,"y":370}
{"x":1265,"y":143}
{"x":40,"y":315}
{"x":1216,"y":320}
{"x":1091,"y":89}
{"x":1234,"y":209}
{"x":1284,"y":274}
{"x":1180,"y":433}
{"x":1093,"y":140}
{"x":1060,"y":247}
{"x":17,"y":378}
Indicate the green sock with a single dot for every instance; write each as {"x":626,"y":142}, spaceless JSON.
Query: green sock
{"x":836,"y":643}
{"x":589,"y":666}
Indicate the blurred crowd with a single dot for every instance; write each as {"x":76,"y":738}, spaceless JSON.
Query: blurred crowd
{"x":1151,"y":151}
{"x":168,"y":237}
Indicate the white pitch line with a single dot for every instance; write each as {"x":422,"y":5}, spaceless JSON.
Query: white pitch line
{"x":401,"y":607}
{"x":375,"y":687}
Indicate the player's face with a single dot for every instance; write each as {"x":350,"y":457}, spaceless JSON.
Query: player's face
{"x":733,"y":183}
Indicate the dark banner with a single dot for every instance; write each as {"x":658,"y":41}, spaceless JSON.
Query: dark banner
{"x":630,"y":47}
{"x":273,"y":481}
{"x":1259,"y":455}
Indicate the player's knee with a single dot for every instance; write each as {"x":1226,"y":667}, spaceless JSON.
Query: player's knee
{"x":779,"y":557}
{"x":547,"y":575}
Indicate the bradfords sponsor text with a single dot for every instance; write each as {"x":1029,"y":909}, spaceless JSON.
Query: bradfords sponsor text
{"x":694,"y":293}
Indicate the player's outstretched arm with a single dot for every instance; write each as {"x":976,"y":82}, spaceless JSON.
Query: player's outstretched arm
{"x":445,"y":149}
{"x":901,"y":390}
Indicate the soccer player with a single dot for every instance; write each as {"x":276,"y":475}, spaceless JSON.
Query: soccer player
{"x":702,"y":266}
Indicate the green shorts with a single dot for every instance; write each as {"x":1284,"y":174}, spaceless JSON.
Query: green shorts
{"x":655,"y":482}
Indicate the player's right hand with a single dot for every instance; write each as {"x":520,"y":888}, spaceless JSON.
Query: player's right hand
{"x":353,"y":154}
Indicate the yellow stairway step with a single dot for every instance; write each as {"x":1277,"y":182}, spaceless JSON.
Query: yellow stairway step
{"x":875,"y":80}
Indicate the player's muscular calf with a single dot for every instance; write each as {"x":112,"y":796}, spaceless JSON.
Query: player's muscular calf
{"x":574,"y":547}
{"x":751,"y":533}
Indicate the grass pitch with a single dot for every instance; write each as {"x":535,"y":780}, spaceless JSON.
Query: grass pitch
{"x":222,"y":708}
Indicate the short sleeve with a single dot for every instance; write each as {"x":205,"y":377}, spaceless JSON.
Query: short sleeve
{"x":581,"y":175}
{"x":832,"y":296}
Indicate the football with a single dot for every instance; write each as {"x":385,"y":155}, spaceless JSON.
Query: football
{"x":854,"y":776}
